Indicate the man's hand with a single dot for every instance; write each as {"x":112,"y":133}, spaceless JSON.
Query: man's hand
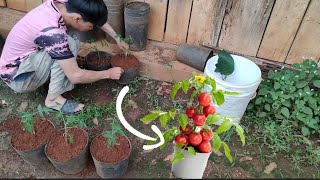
{"x":115,"y":73}
{"x":122,"y":45}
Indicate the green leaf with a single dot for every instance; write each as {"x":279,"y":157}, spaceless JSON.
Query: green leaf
{"x":225,"y":63}
{"x":172,"y":113}
{"x":301,"y":84}
{"x":263,"y":92}
{"x":193,"y":95}
{"x":28,"y":127}
{"x":185,"y":86}
{"x":39,"y":108}
{"x":278,"y":116}
{"x":307,"y":110}
{"x":262,"y":114}
{"x":225,"y":126}
{"x":168,"y":136}
{"x":227,"y":151}
{"x":287,"y":103}
{"x":183,"y":120}
{"x":149,"y":117}
{"x":267,"y":107}
{"x":211,"y":119}
{"x":216,"y":141}
{"x":285,"y":112}
{"x":178,"y":156}
{"x":179,"y":146}
{"x":305,"y":131}
{"x":316,"y":83}
{"x":240,"y":132}
{"x":191,"y":150}
{"x":175,"y":89}
{"x":277,"y":85}
{"x":210,"y":82}
{"x":71,"y":138}
{"x":219,"y":97}
{"x":164,"y":119}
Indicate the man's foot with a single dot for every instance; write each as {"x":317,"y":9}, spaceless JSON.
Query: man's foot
{"x":60,"y":103}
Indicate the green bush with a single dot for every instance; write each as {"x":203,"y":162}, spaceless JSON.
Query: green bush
{"x":290,"y":95}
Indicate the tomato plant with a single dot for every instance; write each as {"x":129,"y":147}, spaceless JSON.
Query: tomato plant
{"x":194,"y":129}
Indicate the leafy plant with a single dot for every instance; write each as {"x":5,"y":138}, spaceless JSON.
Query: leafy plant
{"x":128,"y":40}
{"x":111,"y":135}
{"x":196,"y":124}
{"x":290,"y":95}
{"x":94,"y":47}
{"x":225,"y":65}
{"x":27,"y":118}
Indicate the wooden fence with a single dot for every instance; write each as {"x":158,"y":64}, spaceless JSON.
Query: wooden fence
{"x":277,"y":30}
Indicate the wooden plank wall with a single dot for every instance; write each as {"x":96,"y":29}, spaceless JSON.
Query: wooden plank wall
{"x":282,"y":28}
{"x":2,"y":3}
{"x":23,"y":5}
{"x":178,"y":21}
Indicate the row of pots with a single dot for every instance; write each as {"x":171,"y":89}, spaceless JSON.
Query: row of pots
{"x":44,"y":153}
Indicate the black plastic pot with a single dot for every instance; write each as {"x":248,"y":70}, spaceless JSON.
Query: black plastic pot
{"x":111,"y":170}
{"x":35,"y":157}
{"x":194,"y":56}
{"x":136,"y":18}
{"x":93,"y":58}
{"x":74,"y":164}
{"x":128,"y":76}
{"x":115,"y":17}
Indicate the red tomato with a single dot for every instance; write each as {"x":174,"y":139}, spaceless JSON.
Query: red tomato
{"x":180,"y":139}
{"x":199,"y":119}
{"x":195,"y":139}
{"x":191,"y":111}
{"x":204,"y":147}
{"x":206,"y":134}
{"x":187,"y":130}
{"x":204,"y":99}
{"x":209,"y":110}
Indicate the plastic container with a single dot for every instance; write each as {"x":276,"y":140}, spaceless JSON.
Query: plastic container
{"x":194,"y":56}
{"x":245,"y":80}
{"x":98,"y":60}
{"x":192,"y":166}
{"x":136,"y":18}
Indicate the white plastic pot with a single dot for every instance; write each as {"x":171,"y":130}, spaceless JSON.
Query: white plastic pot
{"x":245,"y":80}
{"x":192,"y":166}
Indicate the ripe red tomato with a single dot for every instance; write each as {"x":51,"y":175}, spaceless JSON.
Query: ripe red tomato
{"x":187,"y":130}
{"x":209,"y":110}
{"x":206,"y":134}
{"x":195,"y":139}
{"x":204,"y":147}
{"x":199,"y":119}
{"x":204,"y":99}
{"x":191,"y":111}
{"x":180,"y":139}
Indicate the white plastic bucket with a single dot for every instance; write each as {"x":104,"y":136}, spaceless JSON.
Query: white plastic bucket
{"x":245,"y":80}
{"x":192,"y":166}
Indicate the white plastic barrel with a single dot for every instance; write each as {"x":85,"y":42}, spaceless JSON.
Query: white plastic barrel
{"x":245,"y":80}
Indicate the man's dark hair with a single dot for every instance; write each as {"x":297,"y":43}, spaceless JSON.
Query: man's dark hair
{"x":94,"y":11}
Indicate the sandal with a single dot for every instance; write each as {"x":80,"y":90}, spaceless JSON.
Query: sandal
{"x":68,"y":107}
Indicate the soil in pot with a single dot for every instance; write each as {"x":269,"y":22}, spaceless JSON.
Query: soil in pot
{"x":30,"y":146}
{"x":59,"y":149}
{"x":11,"y":125}
{"x":69,"y":157}
{"x":98,"y":61}
{"x":129,"y":64}
{"x":111,"y":162}
{"x":23,"y":140}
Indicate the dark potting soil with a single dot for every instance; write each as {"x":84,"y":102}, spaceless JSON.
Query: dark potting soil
{"x":59,"y":149}
{"x":112,"y":154}
{"x":11,"y":125}
{"x":119,"y":60}
{"x":23,"y":140}
{"x":99,"y":59}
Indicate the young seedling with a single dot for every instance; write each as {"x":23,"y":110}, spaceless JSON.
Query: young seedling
{"x":94,"y":47}
{"x":129,"y":41}
{"x":28,"y":119}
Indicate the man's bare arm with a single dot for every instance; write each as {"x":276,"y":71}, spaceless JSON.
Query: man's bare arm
{"x":81,"y":76}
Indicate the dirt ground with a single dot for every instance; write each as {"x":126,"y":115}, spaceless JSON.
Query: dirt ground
{"x":249,"y":160}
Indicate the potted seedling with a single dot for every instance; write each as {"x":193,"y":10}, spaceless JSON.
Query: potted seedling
{"x":67,"y":149}
{"x":195,"y":134}
{"x":98,"y":60}
{"x":128,"y":62}
{"x":111,"y":151}
{"x":29,"y":142}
